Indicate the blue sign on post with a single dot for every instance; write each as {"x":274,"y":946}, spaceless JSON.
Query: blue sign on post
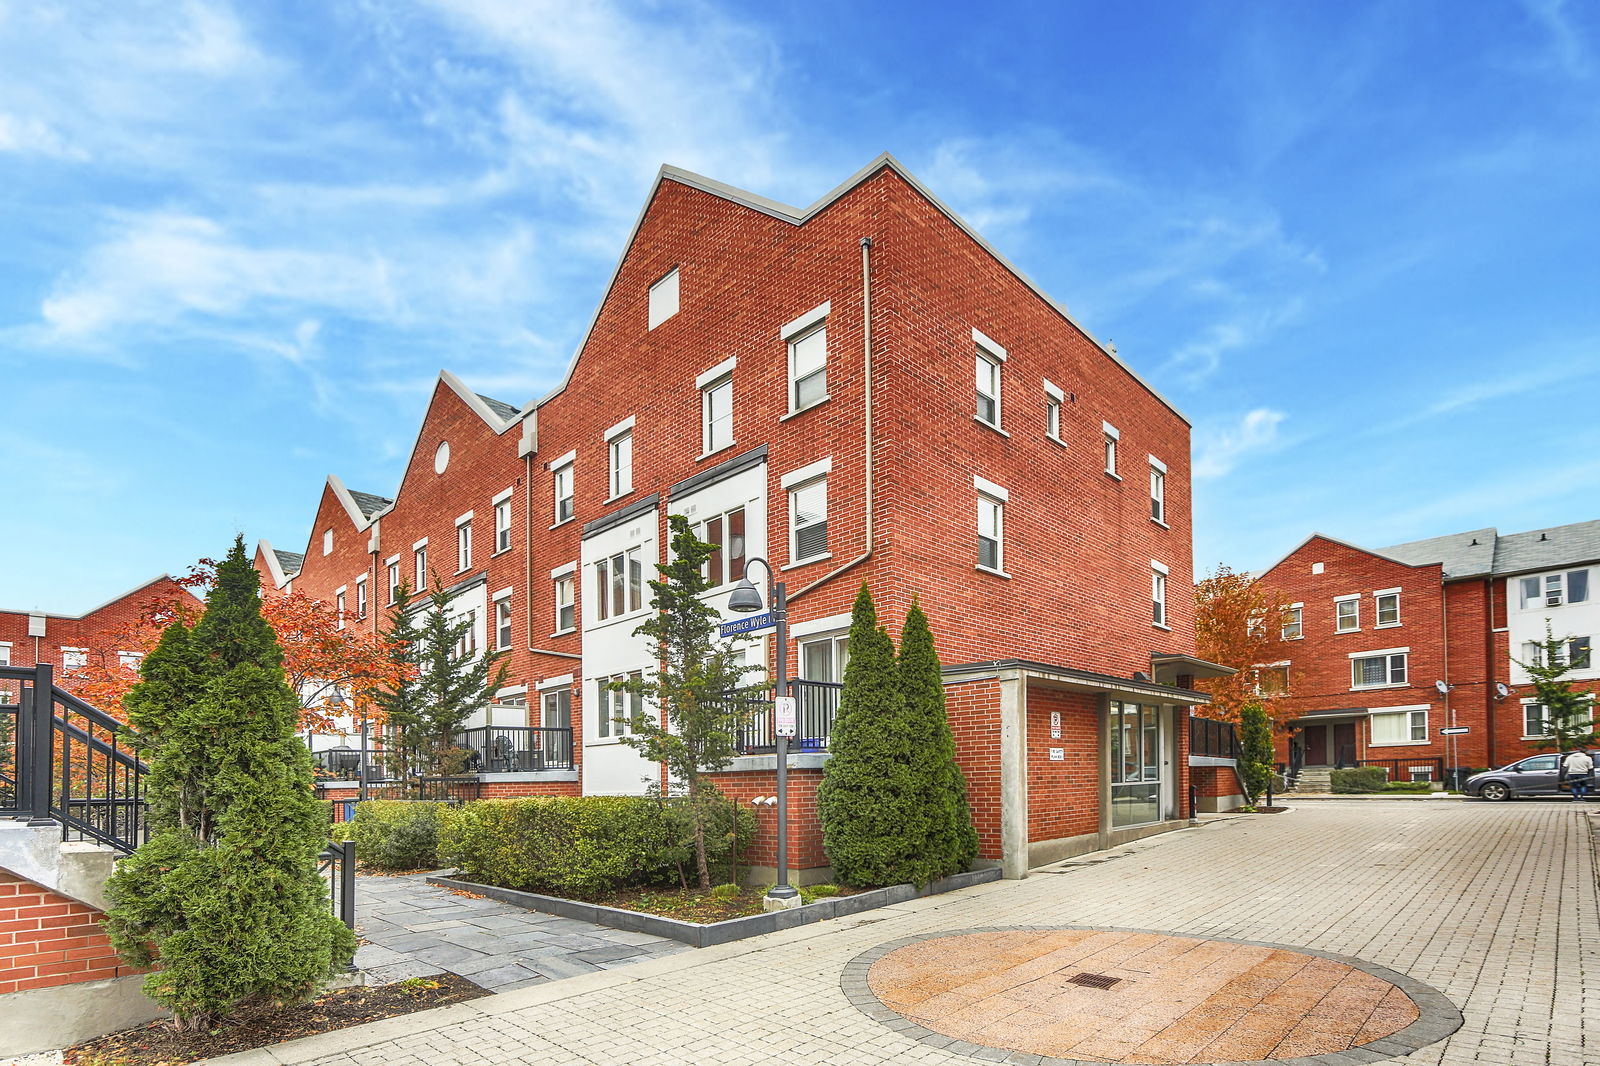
{"x":748,"y":624}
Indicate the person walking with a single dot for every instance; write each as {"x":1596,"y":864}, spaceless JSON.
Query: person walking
{"x":1578,"y":767}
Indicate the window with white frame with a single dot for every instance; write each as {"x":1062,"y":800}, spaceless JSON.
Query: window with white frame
{"x":1053,"y":398}
{"x":5,"y":653}
{"x":664,"y":298}
{"x":1536,"y":720}
{"x":555,"y":708}
{"x":992,"y":501}
{"x":1158,"y":593}
{"x":726,"y":531}
{"x":1111,"y":438}
{"x":1407,"y":725}
{"x":419,"y":552}
{"x":1387,"y":602}
{"x":74,"y":659}
{"x":502,"y":522}
{"x":1292,"y":628}
{"x":327,"y":542}
{"x":1346,"y":614}
{"x":1158,"y":490}
{"x":823,"y":658}
{"x":1378,"y":669}
{"x":566,"y":590}
{"x":502,"y":622}
{"x":1555,"y":590}
{"x":1579,"y":653}
{"x":391,"y":574}
{"x":338,"y":608}
{"x":716,"y":407}
{"x":130,"y":660}
{"x":808,"y":520}
{"x":988,"y":382}
{"x":619,"y":584}
{"x":467,"y":646}
{"x":620,"y":450}
{"x":562,"y":477}
{"x":464,"y":542}
{"x":1272,"y":680}
{"x":361,"y":598}
{"x":808,"y":367}
{"x":619,"y":712}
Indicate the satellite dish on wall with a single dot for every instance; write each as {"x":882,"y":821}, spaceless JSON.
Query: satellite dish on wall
{"x":1443,"y":688}
{"x":1501,"y":690}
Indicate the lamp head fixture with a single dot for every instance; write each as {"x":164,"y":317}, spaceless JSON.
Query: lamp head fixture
{"x":746,"y":598}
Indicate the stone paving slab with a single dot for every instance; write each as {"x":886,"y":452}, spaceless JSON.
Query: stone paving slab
{"x":415,"y":929}
{"x":1493,"y":906}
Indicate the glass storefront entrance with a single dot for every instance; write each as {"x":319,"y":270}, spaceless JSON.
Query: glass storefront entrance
{"x":1136,"y":784}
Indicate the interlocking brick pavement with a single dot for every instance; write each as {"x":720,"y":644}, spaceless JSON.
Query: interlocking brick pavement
{"x":1494,"y":905}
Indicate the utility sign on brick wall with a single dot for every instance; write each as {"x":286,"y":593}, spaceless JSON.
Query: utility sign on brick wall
{"x":1058,"y":754}
{"x":1055,"y":725}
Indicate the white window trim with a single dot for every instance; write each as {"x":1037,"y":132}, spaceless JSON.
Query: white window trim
{"x":1301,"y":607}
{"x":625,"y":426}
{"x":818,"y":626}
{"x":1158,"y":567}
{"x":1374,"y":654}
{"x":809,"y":472}
{"x":1054,"y":391}
{"x":393,"y":560}
{"x":1400,"y":710}
{"x":705,"y":411}
{"x":1356,"y":596}
{"x":464,"y":519}
{"x":989,"y":488}
{"x":560,"y":681}
{"x":1111,"y":431}
{"x":721,"y":370}
{"x":502,"y":594}
{"x":1395,"y":592}
{"x":1157,"y":464}
{"x":563,"y":570}
{"x":1162,"y":569}
{"x":419,"y":545}
{"x":1055,"y":396}
{"x":1378,"y":651}
{"x":806,"y":321}
{"x":987,"y":344}
{"x":502,"y":497}
{"x":677,"y":298}
{"x":565,"y":462}
{"x":1115,"y":437}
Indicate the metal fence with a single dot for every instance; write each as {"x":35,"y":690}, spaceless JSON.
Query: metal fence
{"x":816,"y":705}
{"x":337,"y":864}
{"x":1209,"y":737}
{"x":1425,"y":768}
{"x":499,"y":749}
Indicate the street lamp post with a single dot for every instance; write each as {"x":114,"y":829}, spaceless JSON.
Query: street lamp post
{"x":745,"y":599}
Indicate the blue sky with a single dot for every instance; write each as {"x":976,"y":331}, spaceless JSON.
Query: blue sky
{"x":1355,"y":243}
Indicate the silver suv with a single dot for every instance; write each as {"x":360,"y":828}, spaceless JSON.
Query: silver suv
{"x":1537,"y":775}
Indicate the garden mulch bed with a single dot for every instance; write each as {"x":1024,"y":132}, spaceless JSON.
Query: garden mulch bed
{"x":159,"y":1044}
{"x":690,"y":904}
{"x":1258,"y":810}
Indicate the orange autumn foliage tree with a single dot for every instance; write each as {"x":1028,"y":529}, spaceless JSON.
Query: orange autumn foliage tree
{"x":321,"y":661}
{"x":1239,"y":623}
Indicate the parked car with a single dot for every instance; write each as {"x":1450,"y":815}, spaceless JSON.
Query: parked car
{"x":1537,"y":775}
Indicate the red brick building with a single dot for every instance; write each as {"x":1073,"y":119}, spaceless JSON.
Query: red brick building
{"x":69,"y":642}
{"x":862,"y":390}
{"x":1388,"y":646}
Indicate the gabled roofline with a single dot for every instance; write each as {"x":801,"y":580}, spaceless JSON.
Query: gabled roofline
{"x":799,"y":216}
{"x":279,"y":578}
{"x":357,"y":517}
{"x":1343,"y":544}
{"x":108,"y":603}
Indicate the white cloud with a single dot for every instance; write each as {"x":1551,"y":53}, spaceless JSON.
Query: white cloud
{"x":1568,"y":52}
{"x":1221,"y":448}
{"x":34,"y":136}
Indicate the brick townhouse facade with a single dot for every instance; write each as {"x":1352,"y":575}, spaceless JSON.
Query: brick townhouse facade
{"x":1388,"y":646}
{"x":69,"y":642}
{"x":862,"y":390}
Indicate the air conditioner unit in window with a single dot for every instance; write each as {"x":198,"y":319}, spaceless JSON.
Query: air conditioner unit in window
{"x":1553,"y":600}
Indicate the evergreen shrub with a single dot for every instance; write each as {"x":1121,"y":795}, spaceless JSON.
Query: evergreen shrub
{"x":397,"y":834}
{"x":581,"y":845}
{"x":1360,"y":779}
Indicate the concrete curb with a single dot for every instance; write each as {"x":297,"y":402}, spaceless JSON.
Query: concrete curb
{"x":1437,"y":1017}
{"x":701,"y":936}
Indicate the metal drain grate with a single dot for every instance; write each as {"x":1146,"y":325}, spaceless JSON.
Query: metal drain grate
{"x":1093,"y":980}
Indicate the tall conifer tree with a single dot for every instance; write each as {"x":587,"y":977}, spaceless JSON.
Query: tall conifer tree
{"x":952,"y":842}
{"x":874,"y":823}
{"x":226,"y":891}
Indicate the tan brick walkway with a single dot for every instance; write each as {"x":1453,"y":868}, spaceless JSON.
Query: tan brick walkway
{"x":1492,"y":904}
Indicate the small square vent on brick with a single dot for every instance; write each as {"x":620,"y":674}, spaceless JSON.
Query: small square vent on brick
{"x":1093,"y":980}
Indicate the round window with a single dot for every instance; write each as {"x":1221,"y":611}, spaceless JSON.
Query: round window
{"x":441,"y":458}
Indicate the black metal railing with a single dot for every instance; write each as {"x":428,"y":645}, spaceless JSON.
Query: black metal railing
{"x":436,"y":789}
{"x":1422,"y":768}
{"x":65,"y":762}
{"x":337,"y":863}
{"x":500,"y":749}
{"x":1209,"y":737}
{"x":816,"y":705}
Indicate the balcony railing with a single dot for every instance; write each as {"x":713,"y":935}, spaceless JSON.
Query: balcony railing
{"x":501,"y":749}
{"x":1218,"y":740}
{"x":816,"y":704}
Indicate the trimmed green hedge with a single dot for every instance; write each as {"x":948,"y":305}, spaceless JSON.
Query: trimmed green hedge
{"x":581,"y":846}
{"x":1360,"y":779}
{"x":397,"y":834}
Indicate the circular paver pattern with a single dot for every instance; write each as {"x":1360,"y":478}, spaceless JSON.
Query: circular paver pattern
{"x":1076,"y":995}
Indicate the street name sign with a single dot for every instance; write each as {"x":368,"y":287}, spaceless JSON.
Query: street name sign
{"x":748,"y":624}
{"x":783,"y":716}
